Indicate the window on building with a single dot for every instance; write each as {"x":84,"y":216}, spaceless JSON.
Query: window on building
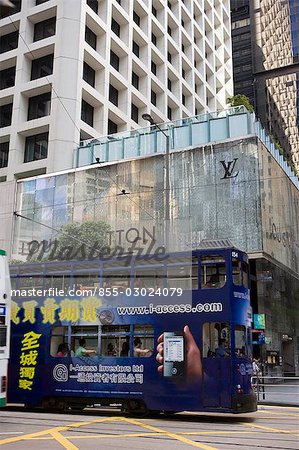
{"x":39,"y":2}
{"x":136,"y":18}
{"x":9,"y":41}
{"x":182,"y":23}
{"x":115,"y":27}
{"x":169,"y":84}
{"x":154,"y":39}
{"x":169,"y":113}
{"x":39,"y":106}
{"x":5,"y":115}
{"x":169,"y":57}
{"x":114,"y":60}
{"x":41,"y":67}
{"x":183,"y":48}
{"x":240,"y":23}
{"x":154,"y":11}
{"x":113,"y":95}
{"x":93,"y":4}
{"x":7,"y":77}
{"x":153,"y":68}
{"x":183,"y":73}
{"x":135,"y":49}
{"x":36,"y":147}
{"x":169,"y":5}
{"x":44,"y":29}
{"x":87,"y":113}
{"x":4,"y":149}
{"x":5,"y":11}
{"x":184,"y":99}
{"x":153,"y":98}
{"x":169,"y":31}
{"x":135,"y":80}
{"x":112,"y":127}
{"x":134,"y":112}
{"x":91,"y":38}
{"x":89,"y":74}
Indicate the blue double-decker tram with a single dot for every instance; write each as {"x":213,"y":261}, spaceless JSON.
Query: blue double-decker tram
{"x":4,"y":324}
{"x":147,"y":333}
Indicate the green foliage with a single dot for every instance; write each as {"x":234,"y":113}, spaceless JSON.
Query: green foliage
{"x":239,"y":100}
{"x":87,"y":232}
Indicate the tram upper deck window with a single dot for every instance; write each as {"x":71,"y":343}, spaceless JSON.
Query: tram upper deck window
{"x":149,"y":277}
{"x":86,"y":280}
{"x":182,"y":273}
{"x":216,"y":339}
{"x":116,"y":278}
{"x":213,"y":271}
{"x":60,"y":281}
{"x":245,"y":272}
{"x":237,"y":275}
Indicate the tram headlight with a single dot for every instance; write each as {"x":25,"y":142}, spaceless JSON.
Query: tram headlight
{"x":239,"y":389}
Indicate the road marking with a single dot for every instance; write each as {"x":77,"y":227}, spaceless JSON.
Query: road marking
{"x":187,"y":433}
{"x":273,"y":430}
{"x":55,"y":429}
{"x":168,"y":433}
{"x":63,"y":440}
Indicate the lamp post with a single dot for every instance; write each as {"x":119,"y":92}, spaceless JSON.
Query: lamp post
{"x":149,"y":118}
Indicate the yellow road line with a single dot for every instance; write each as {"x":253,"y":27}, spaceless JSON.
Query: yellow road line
{"x":168,"y":433}
{"x":63,"y":440}
{"x":273,"y":430}
{"x":187,"y":433}
{"x":55,"y":429}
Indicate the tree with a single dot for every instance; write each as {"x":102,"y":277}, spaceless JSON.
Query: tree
{"x":75,"y":240}
{"x":239,"y":100}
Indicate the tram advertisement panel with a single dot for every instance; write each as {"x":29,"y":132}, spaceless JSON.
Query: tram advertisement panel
{"x":170,"y":348}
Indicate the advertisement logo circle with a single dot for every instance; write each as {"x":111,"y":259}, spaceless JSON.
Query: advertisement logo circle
{"x":60,"y":373}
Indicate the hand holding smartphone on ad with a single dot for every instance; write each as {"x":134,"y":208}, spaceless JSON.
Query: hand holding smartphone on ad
{"x":179,"y":355}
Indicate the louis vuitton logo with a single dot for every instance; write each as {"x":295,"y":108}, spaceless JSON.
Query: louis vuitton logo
{"x":229,"y":168}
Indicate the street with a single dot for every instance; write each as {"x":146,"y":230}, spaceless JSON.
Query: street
{"x":272,"y":427}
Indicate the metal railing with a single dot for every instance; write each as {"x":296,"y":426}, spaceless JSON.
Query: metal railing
{"x":276,"y":389}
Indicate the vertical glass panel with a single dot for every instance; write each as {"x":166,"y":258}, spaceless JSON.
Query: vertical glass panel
{"x":200,"y":133}
{"x":238,"y":125}
{"x":181,"y":137}
{"x":218,"y":129}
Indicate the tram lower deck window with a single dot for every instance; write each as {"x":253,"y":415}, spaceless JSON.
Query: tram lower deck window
{"x":102,"y":340}
{"x":216,"y":339}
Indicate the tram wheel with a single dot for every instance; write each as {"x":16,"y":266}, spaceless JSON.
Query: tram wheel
{"x":135,"y":407}
{"x":77,"y":408}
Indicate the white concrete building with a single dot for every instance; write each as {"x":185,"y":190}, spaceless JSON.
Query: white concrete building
{"x":71,"y":70}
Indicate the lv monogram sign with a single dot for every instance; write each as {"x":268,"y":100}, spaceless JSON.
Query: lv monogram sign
{"x":229,"y":168}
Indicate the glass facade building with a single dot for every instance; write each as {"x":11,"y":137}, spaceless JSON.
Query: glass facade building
{"x":238,"y":189}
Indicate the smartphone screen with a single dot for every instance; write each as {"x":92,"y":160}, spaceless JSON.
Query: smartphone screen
{"x":174,"y":349}
{"x":174,"y":354}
